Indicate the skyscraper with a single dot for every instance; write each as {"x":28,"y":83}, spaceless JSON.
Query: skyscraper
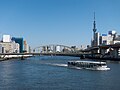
{"x":20,"y":42}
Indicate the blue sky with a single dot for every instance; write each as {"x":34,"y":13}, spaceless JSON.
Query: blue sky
{"x":66,"y":22}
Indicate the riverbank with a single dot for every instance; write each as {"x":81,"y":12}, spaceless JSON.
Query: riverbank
{"x":9,"y":57}
{"x":104,"y":59}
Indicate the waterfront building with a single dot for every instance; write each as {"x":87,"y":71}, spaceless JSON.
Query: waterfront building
{"x":16,"y":47}
{"x":116,"y":40}
{"x":26,"y":47}
{"x":107,"y":39}
{"x":97,"y":39}
{"x":0,"y":48}
{"x":9,"y":47}
{"x":20,"y":42}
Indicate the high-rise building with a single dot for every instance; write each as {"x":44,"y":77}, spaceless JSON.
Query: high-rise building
{"x":106,"y":39}
{"x":0,"y":48}
{"x":97,"y":39}
{"x":26,"y":47}
{"x":20,"y":42}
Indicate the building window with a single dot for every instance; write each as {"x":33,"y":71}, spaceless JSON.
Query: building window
{"x":104,"y":42}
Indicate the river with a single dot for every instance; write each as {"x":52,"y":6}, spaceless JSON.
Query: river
{"x":51,"y":73}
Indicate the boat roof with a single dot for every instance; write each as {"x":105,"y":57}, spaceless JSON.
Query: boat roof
{"x":96,"y":62}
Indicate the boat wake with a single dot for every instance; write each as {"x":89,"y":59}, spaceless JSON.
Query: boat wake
{"x":62,"y":65}
{"x":56,"y":64}
{"x":75,"y":68}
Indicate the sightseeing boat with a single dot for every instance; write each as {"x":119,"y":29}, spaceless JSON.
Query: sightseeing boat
{"x":92,"y":65}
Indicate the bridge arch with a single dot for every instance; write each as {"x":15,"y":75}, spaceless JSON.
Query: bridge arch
{"x":53,"y":48}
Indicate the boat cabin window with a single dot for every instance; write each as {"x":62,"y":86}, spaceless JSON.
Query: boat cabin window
{"x":101,"y":64}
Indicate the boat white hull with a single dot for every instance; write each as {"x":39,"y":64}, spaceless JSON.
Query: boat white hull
{"x":91,"y":65}
{"x":96,"y":68}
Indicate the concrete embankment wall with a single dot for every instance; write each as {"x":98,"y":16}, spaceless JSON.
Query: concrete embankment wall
{"x":7,"y":57}
{"x":104,"y":59}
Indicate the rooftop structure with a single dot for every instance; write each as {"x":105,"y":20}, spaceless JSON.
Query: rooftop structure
{"x":6,"y":38}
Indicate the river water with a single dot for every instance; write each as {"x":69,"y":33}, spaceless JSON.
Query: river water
{"x":51,"y":73}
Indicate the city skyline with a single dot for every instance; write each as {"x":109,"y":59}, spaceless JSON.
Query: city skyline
{"x":68,"y":22}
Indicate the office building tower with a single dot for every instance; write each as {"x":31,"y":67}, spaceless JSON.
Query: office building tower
{"x":20,"y":42}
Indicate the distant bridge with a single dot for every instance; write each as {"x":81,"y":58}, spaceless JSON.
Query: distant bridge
{"x":51,"y":50}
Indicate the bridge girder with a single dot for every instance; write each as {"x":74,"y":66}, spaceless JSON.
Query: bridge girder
{"x":53,"y":48}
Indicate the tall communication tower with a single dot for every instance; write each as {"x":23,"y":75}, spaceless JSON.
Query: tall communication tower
{"x":94,"y":30}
